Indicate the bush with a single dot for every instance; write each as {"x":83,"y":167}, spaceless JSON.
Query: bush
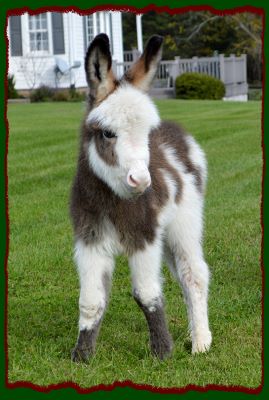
{"x":43,"y":93}
{"x":254,"y":94}
{"x":46,"y":93}
{"x":60,"y":96}
{"x":74,"y":95}
{"x":12,"y":92}
{"x":192,"y":85}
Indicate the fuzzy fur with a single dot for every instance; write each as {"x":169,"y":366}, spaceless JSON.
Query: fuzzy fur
{"x":114,"y":212}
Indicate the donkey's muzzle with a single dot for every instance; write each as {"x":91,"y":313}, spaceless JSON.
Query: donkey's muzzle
{"x":139,"y":178}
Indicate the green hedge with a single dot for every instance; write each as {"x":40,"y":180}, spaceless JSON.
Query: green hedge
{"x":192,"y":85}
{"x":46,"y":93}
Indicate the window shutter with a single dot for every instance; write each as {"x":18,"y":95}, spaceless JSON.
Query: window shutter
{"x":15,"y":36}
{"x":57,"y":33}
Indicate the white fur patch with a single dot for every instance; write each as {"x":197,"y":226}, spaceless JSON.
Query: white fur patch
{"x":126,"y":110}
{"x":184,"y":236}
{"x":167,"y":213}
{"x":197,"y":156}
{"x":131,"y":115}
{"x":93,"y":263}
{"x":146,"y":273}
{"x":188,"y":221}
{"x":113,"y":176}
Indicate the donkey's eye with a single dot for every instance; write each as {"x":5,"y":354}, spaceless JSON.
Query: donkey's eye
{"x":108,"y":134}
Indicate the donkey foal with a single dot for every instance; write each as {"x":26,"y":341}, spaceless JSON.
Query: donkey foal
{"x":138,"y":190}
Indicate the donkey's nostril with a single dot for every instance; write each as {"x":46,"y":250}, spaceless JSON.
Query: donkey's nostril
{"x":131,"y":181}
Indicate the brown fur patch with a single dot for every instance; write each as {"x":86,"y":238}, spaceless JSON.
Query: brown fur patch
{"x":105,"y":147}
{"x":158,"y":163}
{"x":174,"y":137}
{"x":136,"y":73}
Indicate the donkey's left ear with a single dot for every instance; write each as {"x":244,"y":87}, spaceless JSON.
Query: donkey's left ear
{"x":98,"y":62}
{"x":142,"y":73}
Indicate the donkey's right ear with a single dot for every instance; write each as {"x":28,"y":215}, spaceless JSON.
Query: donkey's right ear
{"x":98,"y":62}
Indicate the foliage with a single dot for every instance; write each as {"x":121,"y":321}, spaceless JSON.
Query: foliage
{"x":192,"y":85}
{"x":201,"y":33}
{"x":43,"y":93}
{"x":43,"y":288}
{"x":12,"y":92}
{"x":75,"y":95}
{"x":254,"y":94}
{"x":60,"y":95}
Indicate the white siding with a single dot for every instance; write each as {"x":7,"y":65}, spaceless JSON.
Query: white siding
{"x":32,"y":70}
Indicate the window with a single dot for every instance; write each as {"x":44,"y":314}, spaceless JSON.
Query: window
{"x":89,"y":28}
{"x":98,"y":22}
{"x":38,"y":31}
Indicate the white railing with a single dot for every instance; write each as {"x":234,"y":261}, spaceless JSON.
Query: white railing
{"x":232,"y":70}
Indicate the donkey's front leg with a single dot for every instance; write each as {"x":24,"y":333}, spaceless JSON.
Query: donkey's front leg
{"x":145,"y":267}
{"x":95,"y":269}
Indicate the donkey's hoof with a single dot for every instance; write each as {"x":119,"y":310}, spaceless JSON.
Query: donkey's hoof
{"x":80,"y":354}
{"x":202,"y":343}
{"x":162,"y":347}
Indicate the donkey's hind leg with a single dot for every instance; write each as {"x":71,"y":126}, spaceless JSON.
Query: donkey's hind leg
{"x":184,"y":256}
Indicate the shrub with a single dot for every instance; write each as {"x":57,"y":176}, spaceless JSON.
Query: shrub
{"x":254,"y":94}
{"x":12,"y":92}
{"x":74,"y":95}
{"x":46,"y":93}
{"x":43,"y":93}
{"x":60,"y":96}
{"x":192,"y":85}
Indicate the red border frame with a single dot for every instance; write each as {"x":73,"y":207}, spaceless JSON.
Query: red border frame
{"x":110,"y":387}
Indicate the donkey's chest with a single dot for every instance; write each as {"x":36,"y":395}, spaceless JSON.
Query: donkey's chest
{"x":135,"y":225}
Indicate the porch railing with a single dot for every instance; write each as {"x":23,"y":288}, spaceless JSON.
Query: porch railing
{"x":232,"y":70}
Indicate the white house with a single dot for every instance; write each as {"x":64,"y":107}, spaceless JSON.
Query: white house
{"x":49,"y":48}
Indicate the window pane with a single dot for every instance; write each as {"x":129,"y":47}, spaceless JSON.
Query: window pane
{"x":89,"y":26}
{"x":98,"y":26}
{"x":31,"y":23}
{"x":38,"y":32}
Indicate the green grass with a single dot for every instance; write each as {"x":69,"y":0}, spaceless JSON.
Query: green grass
{"x":43,"y":284}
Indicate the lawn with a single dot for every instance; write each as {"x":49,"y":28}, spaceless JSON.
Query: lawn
{"x":42,"y":281}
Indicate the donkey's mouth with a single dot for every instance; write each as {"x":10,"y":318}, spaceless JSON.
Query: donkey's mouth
{"x":135,"y":194}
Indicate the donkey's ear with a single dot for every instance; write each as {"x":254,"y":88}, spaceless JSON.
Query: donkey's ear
{"x":98,"y":62}
{"x":142,"y":73}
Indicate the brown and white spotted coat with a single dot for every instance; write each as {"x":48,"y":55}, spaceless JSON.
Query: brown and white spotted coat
{"x":139,"y":191}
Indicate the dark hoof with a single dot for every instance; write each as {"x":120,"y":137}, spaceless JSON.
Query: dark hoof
{"x":162,"y":347}
{"x":85,"y":346}
{"x":80,"y":354}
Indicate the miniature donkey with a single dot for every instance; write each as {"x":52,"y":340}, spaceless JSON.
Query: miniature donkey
{"x":138,"y":190}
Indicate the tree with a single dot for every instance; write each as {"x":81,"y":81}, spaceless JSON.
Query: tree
{"x":201,"y":33}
